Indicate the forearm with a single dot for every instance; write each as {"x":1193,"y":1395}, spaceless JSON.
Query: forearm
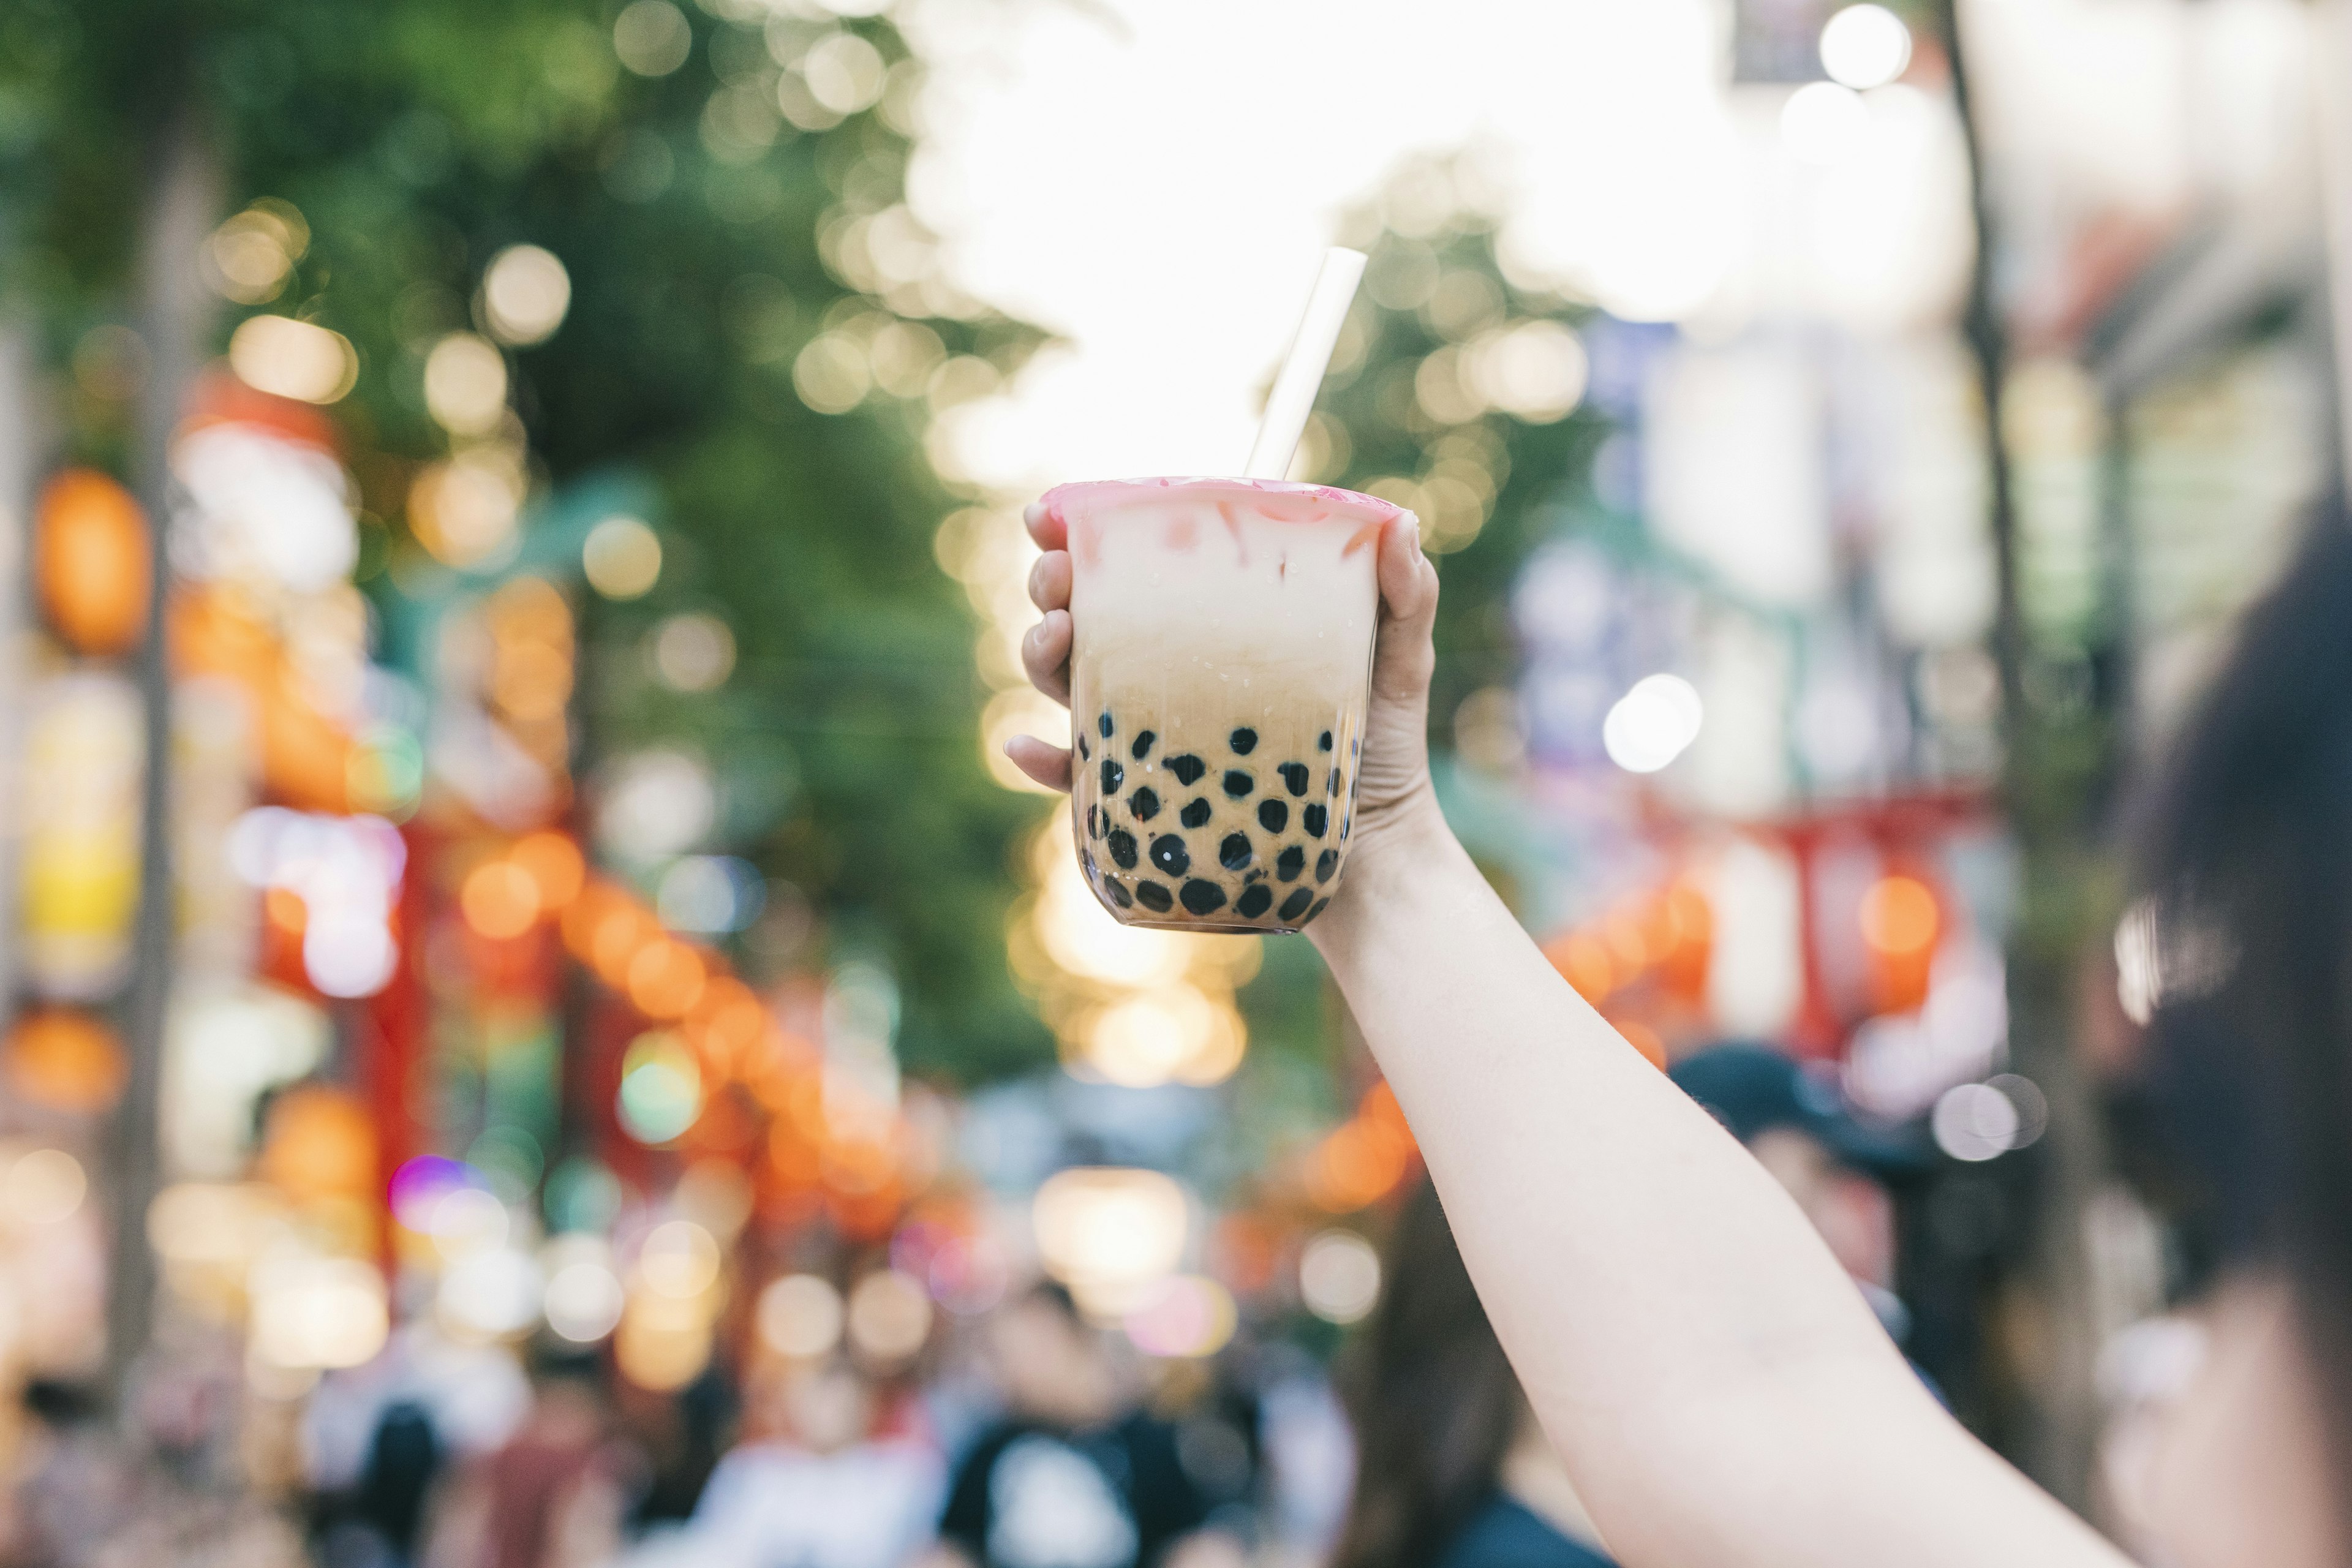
{"x":1680,"y":1329}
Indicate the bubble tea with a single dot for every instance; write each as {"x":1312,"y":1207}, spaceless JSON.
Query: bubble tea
{"x":1221,"y":659}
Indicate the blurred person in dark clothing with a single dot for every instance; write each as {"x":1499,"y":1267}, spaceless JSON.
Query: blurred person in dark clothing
{"x":1075,"y":1475}
{"x":553,"y":1496}
{"x":1452,"y":1470}
{"x":379,"y":1520}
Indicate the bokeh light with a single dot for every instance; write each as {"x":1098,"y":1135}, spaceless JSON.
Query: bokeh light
{"x":525,"y":293}
{"x":680,"y":1260}
{"x":44,"y":1186}
{"x":1652,"y":724}
{"x":1899,"y":917}
{"x":288,"y":358}
{"x":466,"y":384}
{"x":1975,"y":1122}
{"x":1864,"y":46}
{"x":499,"y":898}
{"x":1108,"y":1233}
{"x":1339,"y":1276}
{"x":890,"y":1316}
{"x":693,"y":652}
{"x":652,"y":37}
{"x":1190,"y":1316}
{"x":622,"y":557}
{"x":800,"y":1316}
{"x":661,"y":1087}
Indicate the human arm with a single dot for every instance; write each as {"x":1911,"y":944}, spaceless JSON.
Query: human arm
{"x":1716,"y":1387}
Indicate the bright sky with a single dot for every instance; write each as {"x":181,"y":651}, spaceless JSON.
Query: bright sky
{"x":1156,"y":182}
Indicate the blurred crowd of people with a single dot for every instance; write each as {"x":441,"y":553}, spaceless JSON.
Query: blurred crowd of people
{"x":1031,"y":1438}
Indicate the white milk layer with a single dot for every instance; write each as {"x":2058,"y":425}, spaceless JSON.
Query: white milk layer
{"x":1222,"y":634}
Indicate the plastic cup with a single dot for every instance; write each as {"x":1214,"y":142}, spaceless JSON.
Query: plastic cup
{"x":1219,"y":663}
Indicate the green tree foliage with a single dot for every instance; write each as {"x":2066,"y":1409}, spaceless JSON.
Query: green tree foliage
{"x":724,"y":192}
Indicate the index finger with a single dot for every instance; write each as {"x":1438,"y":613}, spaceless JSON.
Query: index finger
{"x":1046,"y":527}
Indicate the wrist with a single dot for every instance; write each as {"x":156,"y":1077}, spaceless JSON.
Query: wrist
{"x":1398,"y":852}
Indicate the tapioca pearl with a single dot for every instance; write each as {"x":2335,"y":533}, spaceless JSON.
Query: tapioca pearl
{"x":1087,"y":864}
{"x":1203,"y":898}
{"x":1168,"y":853}
{"x":1274,"y":815}
{"x":1325,"y":864}
{"x":1118,"y":893}
{"x":1294,"y":776}
{"x":1094,"y":822}
{"x":1113,"y":776}
{"x":1187,"y":768}
{"x":1105,"y":725}
{"x":1122,"y":848}
{"x":1154,"y":896}
{"x":1144,"y":803}
{"x":1295,"y":905}
{"x":1234,"y":853}
{"x":1332,"y":785}
{"x":1142,"y":747}
{"x":1323,"y":741}
{"x":1086,"y":753}
{"x":1346,"y":823}
{"x":1317,"y":907}
{"x":1195,"y":813}
{"x":1238,"y":782}
{"x":1316,"y":819}
{"x":1244,"y":741}
{"x":1291,"y":863}
{"x":1253,"y":901}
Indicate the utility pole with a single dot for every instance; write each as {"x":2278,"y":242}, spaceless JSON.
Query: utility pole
{"x":174,"y":314}
{"x":2045,"y":796}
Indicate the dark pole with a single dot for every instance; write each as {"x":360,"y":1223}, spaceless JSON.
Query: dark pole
{"x":2043,"y":788}
{"x":174,"y":316}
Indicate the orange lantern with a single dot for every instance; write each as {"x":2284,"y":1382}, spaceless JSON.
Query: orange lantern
{"x":66,"y":1060}
{"x":92,"y":562}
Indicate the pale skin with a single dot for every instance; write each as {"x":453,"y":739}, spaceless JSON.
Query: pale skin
{"x":1716,"y":1388}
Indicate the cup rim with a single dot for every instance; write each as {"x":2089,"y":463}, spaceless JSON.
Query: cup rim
{"x":1352,"y":505}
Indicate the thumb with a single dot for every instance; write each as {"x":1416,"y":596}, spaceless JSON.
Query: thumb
{"x":1406,"y":657}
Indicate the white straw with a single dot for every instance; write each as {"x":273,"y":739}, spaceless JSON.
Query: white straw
{"x":1293,"y":398}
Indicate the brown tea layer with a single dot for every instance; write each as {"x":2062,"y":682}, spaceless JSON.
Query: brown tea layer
{"x":1240,"y":839}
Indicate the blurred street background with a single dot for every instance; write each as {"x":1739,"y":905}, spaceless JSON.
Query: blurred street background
{"x":527,"y":976}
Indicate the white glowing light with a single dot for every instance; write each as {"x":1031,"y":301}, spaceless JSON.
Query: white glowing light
{"x":1652,"y":724}
{"x":490,"y":1295}
{"x":1976,"y":1122}
{"x":44,"y":1186}
{"x":349,"y":955}
{"x":1825,"y":124}
{"x":525,"y":293}
{"x":1864,"y":46}
{"x":317,"y":1312}
{"x":2135,"y":962}
{"x":1108,"y":1234}
{"x":263,"y":508}
{"x":1339,"y":1276}
{"x":800,"y":1316}
{"x":679,"y":1260}
{"x":622,"y":558}
{"x":583,"y":1301}
{"x":288,"y":358}
{"x":890,"y":1316}
{"x":466,"y":384}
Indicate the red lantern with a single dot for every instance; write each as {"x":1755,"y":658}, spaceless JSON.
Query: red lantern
{"x":92,"y":562}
